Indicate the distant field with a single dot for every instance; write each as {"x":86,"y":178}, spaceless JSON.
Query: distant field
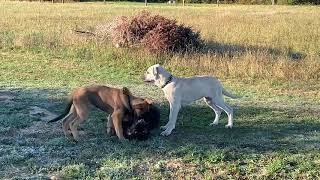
{"x":270,"y":55}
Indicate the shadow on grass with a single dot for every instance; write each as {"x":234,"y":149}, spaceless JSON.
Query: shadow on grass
{"x":256,"y":129}
{"x":232,"y":50}
{"x":16,"y":103}
{"x":35,"y":145}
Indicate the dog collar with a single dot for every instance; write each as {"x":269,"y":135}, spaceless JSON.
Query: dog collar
{"x":129,"y":102}
{"x":167,"y":82}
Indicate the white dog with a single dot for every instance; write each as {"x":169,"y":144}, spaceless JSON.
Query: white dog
{"x":182,"y":91}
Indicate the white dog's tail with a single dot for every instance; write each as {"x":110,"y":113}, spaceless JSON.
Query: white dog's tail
{"x":226,"y":93}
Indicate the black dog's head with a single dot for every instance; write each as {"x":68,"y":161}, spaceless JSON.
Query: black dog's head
{"x":138,"y":130}
{"x":139,"y":127}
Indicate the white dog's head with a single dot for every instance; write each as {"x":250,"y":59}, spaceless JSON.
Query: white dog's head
{"x":156,"y":74}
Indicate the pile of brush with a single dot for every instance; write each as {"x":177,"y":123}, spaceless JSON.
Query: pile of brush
{"x":154,"y":33}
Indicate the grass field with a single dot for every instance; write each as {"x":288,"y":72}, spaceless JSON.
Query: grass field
{"x":269,"y":55}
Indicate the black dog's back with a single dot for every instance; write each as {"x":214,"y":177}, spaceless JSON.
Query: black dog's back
{"x":152,"y":117}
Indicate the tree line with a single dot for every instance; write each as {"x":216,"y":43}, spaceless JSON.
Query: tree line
{"x":279,"y":2}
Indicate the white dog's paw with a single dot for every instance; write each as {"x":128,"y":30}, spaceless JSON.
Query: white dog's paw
{"x":167,"y":132}
{"x":214,"y":123}
{"x":229,"y":126}
{"x":163,"y":127}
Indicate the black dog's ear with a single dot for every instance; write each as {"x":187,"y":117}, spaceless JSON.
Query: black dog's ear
{"x":126,"y":91}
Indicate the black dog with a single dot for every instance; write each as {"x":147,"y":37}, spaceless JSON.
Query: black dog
{"x":139,"y":127}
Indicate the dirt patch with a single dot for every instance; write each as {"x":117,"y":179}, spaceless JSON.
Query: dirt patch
{"x":39,"y":127}
{"x":36,"y":128}
{"x":41,"y":113}
{"x":42,"y":127}
{"x":6,"y":99}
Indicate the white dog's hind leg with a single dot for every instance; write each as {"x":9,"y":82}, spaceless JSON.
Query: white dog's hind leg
{"x":174,"y":111}
{"x":216,"y":110}
{"x":230,"y":117}
{"x":218,"y":101}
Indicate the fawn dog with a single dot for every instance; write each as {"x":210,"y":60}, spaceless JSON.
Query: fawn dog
{"x":117,"y":102}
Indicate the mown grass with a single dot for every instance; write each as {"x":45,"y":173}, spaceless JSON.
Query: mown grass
{"x":269,"y":55}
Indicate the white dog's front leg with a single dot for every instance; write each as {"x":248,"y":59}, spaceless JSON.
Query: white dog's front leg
{"x":174,"y":111}
{"x":167,"y":125}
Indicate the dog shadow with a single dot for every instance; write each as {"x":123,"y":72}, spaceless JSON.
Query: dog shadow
{"x":231,"y":50}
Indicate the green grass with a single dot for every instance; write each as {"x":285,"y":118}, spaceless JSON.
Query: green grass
{"x":276,"y":133}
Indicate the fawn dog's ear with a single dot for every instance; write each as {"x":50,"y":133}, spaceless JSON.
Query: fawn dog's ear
{"x":142,"y":105}
{"x":126,"y":91}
